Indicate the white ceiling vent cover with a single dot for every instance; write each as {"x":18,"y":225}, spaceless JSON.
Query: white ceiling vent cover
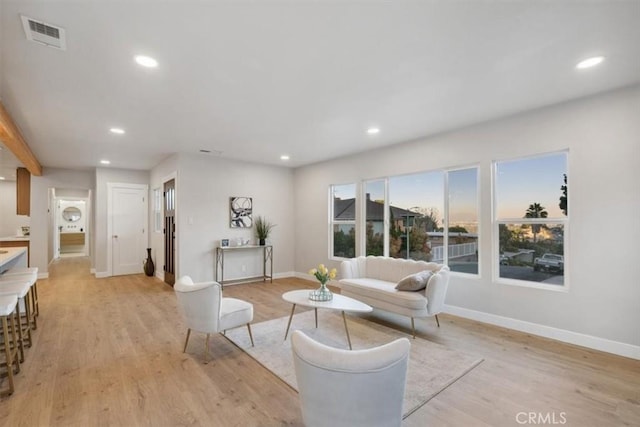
{"x":46,"y":34}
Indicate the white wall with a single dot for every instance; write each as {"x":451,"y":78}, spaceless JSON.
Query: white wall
{"x":41,"y":252}
{"x":104,"y":176}
{"x":603,"y":136}
{"x":204,"y":187}
{"x":9,"y":221}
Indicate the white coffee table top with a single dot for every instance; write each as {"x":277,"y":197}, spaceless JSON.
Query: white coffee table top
{"x":339,"y":302}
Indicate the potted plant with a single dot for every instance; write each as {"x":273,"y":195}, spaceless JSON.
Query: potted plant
{"x":263,"y":229}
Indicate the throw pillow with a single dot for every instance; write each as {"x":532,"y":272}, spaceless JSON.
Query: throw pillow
{"x":414,"y":282}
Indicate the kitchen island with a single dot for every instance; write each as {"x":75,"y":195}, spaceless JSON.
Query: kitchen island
{"x":16,"y":241}
{"x":12,"y":257}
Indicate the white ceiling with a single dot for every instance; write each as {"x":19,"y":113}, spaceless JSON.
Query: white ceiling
{"x":255,"y":80}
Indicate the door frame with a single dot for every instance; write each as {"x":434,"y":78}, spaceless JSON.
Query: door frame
{"x":88,"y":224}
{"x":110,"y":188}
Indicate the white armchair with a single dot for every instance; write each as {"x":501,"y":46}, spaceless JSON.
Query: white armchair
{"x":206,"y":311}
{"x":350,"y":388}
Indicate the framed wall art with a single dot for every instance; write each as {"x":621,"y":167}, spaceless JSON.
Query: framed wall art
{"x":240,"y":210}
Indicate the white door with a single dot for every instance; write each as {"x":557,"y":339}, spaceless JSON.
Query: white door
{"x":128,"y":220}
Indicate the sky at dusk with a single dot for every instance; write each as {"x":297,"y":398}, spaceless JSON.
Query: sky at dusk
{"x":519,"y":183}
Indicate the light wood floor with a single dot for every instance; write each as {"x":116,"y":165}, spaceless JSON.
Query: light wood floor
{"x":109,"y":352}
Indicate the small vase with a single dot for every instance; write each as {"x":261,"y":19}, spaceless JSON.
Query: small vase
{"x":321,"y":294}
{"x":263,"y":242}
{"x":149,"y":267}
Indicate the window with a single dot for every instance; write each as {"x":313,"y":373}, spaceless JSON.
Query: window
{"x":157,"y":210}
{"x":415,"y":205}
{"x":462,"y":223}
{"x":405,"y":217}
{"x":375,"y":217}
{"x":531,"y":208}
{"x":343,"y":221}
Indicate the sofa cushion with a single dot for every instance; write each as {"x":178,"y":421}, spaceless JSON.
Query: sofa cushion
{"x":414,"y":282}
{"x":385,"y":291}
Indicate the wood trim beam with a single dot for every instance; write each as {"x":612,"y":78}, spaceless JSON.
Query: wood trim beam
{"x":12,"y":138}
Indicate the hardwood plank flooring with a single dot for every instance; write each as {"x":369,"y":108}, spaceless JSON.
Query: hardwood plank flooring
{"x":108,"y":352}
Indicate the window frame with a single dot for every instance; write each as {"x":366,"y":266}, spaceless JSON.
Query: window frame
{"x":496,"y":222}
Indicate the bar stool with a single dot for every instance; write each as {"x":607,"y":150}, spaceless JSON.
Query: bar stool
{"x":32,"y":278}
{"x":8,"y":310}
{"x":27,"y":270}
{"x":20,"y":289}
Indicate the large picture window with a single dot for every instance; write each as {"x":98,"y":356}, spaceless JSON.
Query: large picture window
{"x":531,"y":219}
{"x":428,"y":216}
{"x":343,"y":221}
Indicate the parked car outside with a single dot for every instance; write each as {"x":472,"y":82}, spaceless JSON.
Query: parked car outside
{"x":549,"y":262}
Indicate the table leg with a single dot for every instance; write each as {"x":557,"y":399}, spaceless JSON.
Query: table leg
{"x":316,"y":310}
{"x":344,"y":319}
{"x":289,"y":324}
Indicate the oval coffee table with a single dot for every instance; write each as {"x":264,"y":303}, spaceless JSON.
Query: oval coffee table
{"x":338,"y":303}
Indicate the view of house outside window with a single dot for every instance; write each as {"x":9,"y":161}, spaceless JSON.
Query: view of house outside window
{"x":413,"y":209}
{"x":531,"y":217}
{"x":375,"y":218}
{"x":416,"y":204}
{"x":343,"y":221}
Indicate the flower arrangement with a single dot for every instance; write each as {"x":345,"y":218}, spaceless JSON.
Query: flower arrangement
{"x":323,"y":274}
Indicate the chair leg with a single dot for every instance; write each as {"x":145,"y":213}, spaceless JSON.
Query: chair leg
{"x":7,"y":351}
{"x":186,"y":341}
{"x":206,"y":349}
{"x":250,"y":335}
{"x":437,"y":321}
{"x":413,"y":327}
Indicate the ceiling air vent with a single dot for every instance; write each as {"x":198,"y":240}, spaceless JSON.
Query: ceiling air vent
{"x":46,"y":34}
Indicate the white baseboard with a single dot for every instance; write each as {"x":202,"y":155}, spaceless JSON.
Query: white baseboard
{"x":92,"y":271}
{"x":589,"y":341}
{"x":43,"y":275}
{"x":284,"y":274}
{"x":101,"y":274}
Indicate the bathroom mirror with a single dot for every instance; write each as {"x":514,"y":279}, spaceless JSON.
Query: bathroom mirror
{"x":71,"y":214}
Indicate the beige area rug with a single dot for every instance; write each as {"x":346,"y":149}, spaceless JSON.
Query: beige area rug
{"x":432,"y":367}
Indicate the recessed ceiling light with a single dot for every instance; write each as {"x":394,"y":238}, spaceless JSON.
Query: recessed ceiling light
{"x":373,"y":131}
{"x":117,"y":131}
{"x":284,"y":157}
{"x":146,"y":61}
{"x":590,"y":62}
{"x":1,"y":178}
{"x":105,"y":162}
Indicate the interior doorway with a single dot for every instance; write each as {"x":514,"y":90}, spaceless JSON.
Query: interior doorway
{"x":170,"y":232}
{"x":70,"y":223}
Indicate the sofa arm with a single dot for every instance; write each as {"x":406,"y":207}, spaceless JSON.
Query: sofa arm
{"x":353,"y":268}
{"x":346,"y":269}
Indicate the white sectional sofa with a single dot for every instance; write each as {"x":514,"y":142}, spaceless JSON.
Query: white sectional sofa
{"x":373,"y":280}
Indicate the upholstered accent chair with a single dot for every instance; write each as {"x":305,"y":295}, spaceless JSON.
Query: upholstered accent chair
{"x":350,"y":388}
{"x":206,"y":311}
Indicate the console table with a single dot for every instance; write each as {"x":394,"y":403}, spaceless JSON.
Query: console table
{"x":267,"y":257}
